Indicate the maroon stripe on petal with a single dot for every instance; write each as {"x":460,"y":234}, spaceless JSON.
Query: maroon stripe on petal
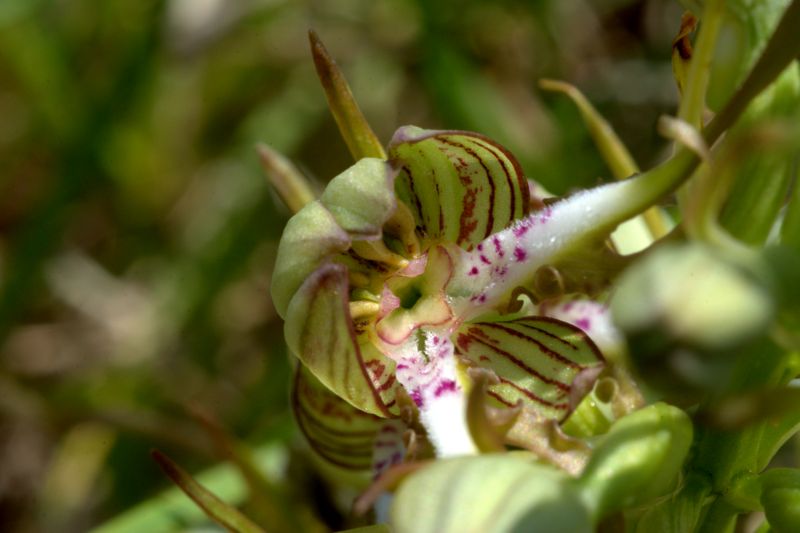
{"x":552,"y":354}
{"x":521,"y":364}
{"x":490,"y":220}
{"x":533,"y":396}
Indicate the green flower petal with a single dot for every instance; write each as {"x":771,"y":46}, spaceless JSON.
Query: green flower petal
{"x":460,"y":186}
{"x":320,"y":332}
{"x":536,"y":359}
{"x":338,"y":432}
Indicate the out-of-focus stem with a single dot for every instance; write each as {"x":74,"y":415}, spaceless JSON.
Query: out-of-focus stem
{"x":611,"y":148}
{"x":289,"y":182}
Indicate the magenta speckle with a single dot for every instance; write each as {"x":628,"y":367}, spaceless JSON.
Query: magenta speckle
{"x":583,"y":323}
{"x":523,"y":227}
{"x":436,"y":339}
{"x":519,"y":254}
{"x":416,"y":395}
{"x":498,"y":248}
{"x":447,"y":385}
{"x":568,"y":306}
{"x":482,"y":298}
{"x":402,"y":366}
{"x":480,"y":247}
{"x":473,"y":271}
{"x":485,"y":260}
{"x":501,"y":271}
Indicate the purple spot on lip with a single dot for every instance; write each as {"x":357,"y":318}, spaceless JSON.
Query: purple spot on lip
{"x":401,"y":366}
{"x":583,"y":323}
{"x":435,"y":339}
{"x":485,"y":260}
{"x":480,"y":247}
{"x":416,"y":395}
{"x":497,"y":246}
{"x":568,"y":306}
{"x":523,"y":228}
{"x":519,"y":254}
{"x":482,"y":298}
{"x":447,"y":385}
{"x":473,"y":271}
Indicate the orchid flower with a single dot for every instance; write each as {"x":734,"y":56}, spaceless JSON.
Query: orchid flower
{"x":416,"y":265}
{"x":406,"y":272}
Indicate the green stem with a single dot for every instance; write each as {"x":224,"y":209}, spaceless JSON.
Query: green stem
{"x":720,"y":517}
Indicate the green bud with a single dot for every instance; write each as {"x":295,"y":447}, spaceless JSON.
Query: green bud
{"x":684,"y":309}
{"x":638,"y":460}
{"x":782,"y":507}
{"x":781,"y":499}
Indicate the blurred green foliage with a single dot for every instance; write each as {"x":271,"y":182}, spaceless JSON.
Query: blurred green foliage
{"x":137,"y":232}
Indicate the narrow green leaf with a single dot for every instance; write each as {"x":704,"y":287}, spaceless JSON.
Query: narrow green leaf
{"x":217,"y":510}
{"x":320,"y":332}
{"x":536,"y":360}
{"x":335,"y":430}
{"x":498,"y":493}
{"x":171,"y":510}
{"x":356,"y":132}
{"x":461,"y":187}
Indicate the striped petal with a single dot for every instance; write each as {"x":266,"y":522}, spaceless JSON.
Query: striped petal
{"x":461,"y":187}
{"x":536,"y":359}
{"x":338,"y":432}
{"x":593,"y":317}
{"x":320,"y":332}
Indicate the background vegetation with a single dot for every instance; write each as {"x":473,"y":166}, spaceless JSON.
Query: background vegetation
{"x":137,"y":231}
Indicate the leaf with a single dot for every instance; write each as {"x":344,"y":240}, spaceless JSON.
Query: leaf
{"x":335,"y":430}
{"x":461,"y":187}
{"x":498,"y":493}
{"x":536,"y":360}
{"x":217,"y":510}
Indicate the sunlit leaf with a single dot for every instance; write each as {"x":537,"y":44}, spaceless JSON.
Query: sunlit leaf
{"x":536,"y":360}
{"x":217,"y":510}
{"x":495,"y":493}
{"x":460,"y":186}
